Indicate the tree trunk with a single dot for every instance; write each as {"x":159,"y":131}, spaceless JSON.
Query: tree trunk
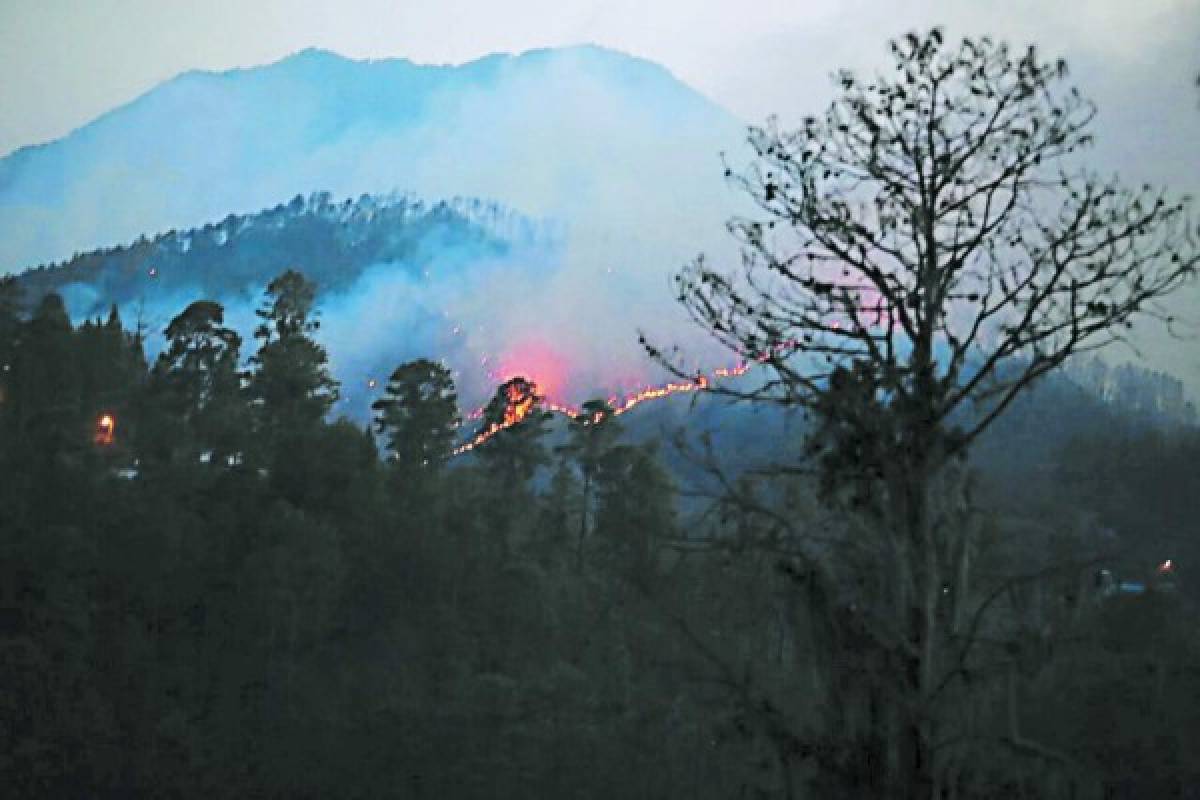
{"x":583,"y":515}
{"x":917,"y":770}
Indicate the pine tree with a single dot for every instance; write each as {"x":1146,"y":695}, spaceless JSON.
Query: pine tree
{"x":197,"y":382}
{"x":594,"y":432}
{"x":418,"y":417}
{"x":290,"y":383}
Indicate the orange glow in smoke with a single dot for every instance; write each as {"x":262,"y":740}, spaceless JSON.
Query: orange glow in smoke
{"x":541,"y":364}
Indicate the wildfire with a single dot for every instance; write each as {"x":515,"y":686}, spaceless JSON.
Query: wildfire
{"x":522,"y":400}
{"x":520,"y":403}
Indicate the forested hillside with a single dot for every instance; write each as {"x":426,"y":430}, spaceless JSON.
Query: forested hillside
{"x":334,"y":242}
{"x":211,"y":588}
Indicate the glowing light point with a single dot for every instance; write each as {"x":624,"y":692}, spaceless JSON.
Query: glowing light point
{"x":372,"y":383}
{"x":106,"y":428}
{"x":1166,"y":567}
{"x":153,"y":271}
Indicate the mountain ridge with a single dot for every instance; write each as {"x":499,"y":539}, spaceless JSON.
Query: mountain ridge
{"x":551,"y":131}
{"x":331,"y":56}
{"x":389,"y":225}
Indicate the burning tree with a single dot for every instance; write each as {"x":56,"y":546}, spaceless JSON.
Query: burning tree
{"x":514,"y":424}
{"x":924,"y":253}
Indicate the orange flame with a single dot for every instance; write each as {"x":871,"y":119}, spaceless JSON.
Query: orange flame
{"x":106,"y":428}
{"x":520,"y":401}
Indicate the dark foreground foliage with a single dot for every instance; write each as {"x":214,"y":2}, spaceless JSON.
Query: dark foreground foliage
{"x":223,"y":594}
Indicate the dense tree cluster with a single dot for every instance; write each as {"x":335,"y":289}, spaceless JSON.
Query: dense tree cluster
{"x":232,"y":595}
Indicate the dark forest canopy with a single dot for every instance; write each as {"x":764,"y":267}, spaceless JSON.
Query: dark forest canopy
{"x":224,"y":592}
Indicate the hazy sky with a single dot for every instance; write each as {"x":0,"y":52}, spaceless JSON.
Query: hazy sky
{"x":66,"y":61}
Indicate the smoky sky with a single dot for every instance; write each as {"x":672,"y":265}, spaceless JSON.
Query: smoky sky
{"x":67,"y":62}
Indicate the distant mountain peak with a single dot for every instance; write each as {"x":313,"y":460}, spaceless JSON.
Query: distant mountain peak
{"x":316,"y":54}
{"x":573,"y":131}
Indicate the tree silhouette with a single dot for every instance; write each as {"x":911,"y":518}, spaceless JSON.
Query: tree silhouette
{"x":10,"y":326}
{"x":418,"y":416}
{"x":635,"y":507}
{"x":924,"y":253}
{"x":197,"y":379}
{"x":594,"y":432}
{"x":291,"y":379}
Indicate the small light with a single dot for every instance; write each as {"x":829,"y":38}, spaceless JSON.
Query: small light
{"x":154,"y":272}
{"x":105,"y":428}
{"x":371,"y":383}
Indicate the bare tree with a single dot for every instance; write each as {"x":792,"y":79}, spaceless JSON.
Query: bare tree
{"x":925,"y":252}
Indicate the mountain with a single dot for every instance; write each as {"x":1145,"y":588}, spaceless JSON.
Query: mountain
{"x":582,"y":134}
{"x":613,"y":152}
